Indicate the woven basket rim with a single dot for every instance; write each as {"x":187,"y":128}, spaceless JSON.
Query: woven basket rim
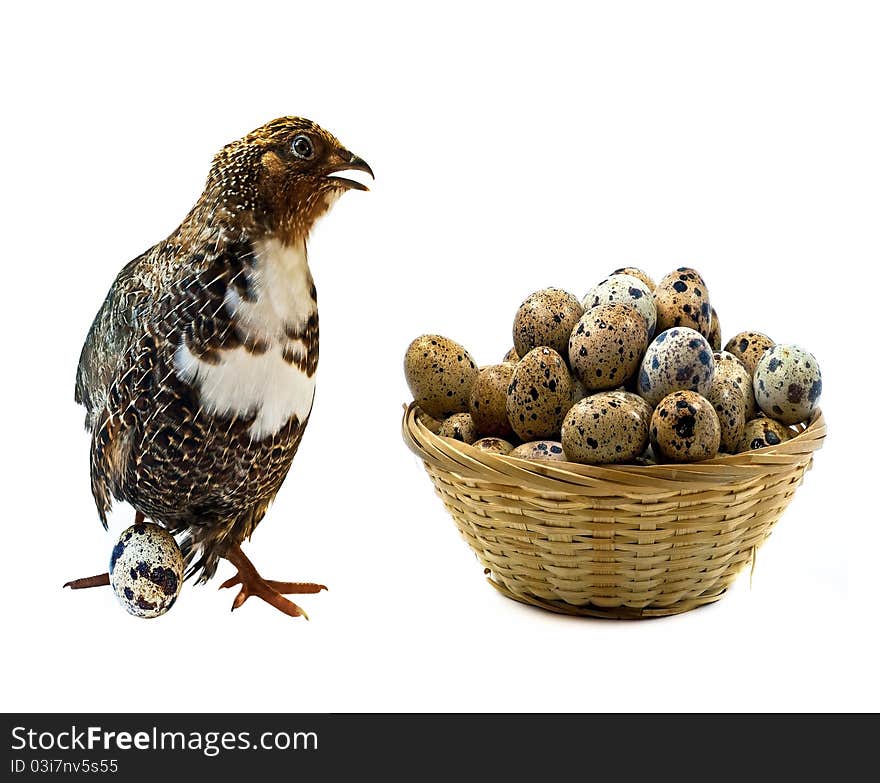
{"x":464,"y":459}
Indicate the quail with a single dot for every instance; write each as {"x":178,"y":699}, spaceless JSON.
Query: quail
{"x":198,"y":372}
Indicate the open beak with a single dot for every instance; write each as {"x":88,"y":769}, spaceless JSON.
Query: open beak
{"x":348,"y":161}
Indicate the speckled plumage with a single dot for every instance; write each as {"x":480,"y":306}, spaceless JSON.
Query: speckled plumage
{"x":171,"y":369}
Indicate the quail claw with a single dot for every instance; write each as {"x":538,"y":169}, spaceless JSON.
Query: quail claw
{"x":269,"y":590}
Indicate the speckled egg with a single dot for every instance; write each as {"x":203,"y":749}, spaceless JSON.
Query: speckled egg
{"x":638,"y":274}
{"x":682,"y":299}
{"x":685,"y":428}
{"x":540,"y":450}
{"x":729,"y":402}
{"x":539,"y":395}
{"x":603,"y":429}
{"x":546,"y":318}
{"x":146,"y":570}
{"x":762,"y":432}
{"x":606,"y":346}
{"x":459,"y":426}
{"x":748,"y":347}
{"x":640,"y":404}
{"x":488,"y":401}
{"x":439,"y":373}
{"x":787,"y":383}
{"x":714,"y":336}
{"x":511,"y":356}
{"x":728,"y":365}
{"x":628,"y":290}
{"x":494,"y":445}
{"x":679,"y":358}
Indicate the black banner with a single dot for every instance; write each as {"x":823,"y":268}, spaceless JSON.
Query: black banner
{"x":133,"y":747}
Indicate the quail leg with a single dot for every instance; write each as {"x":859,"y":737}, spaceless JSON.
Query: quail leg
{"x":270,"y":591}
{"x":99,"y":580}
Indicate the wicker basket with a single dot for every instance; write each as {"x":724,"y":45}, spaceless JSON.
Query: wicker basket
{"x":617,"y":541}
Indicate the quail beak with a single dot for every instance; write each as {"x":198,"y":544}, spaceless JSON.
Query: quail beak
{"x":348,"y":161}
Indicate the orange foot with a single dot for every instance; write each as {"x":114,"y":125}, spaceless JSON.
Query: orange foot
{"x":100,"y":580}
{"x":271,"y":592}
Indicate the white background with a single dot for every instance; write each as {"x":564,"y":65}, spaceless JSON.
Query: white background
{"x":515,"y":146}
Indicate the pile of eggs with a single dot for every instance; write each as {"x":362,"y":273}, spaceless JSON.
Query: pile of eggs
{"x":632,"y":373}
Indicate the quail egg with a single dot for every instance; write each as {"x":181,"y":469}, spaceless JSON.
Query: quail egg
{"x":748,"y":347}
{"x":639,"y":403}
{"x":540,"y":450}
{"x":459,"y":426}
{"x":146,"y":570}
{"x":685,"y":428}
{"x":762,"y":432}
{"x":440,"y":374}
{"x":628,"y":290}
{"x":714,"y":336}
{"x":728,"y":365}
{"x":683,"y":300}
{"x":488,"y":402}
{"x":606,"y":345}
{"x":787,"y":383}
{"x":493,"y":445}
{"x":729,"y":402}
{"x":604,"y":428}
{"x":539,"y":394}
{"x":511,"y":356}
{"x":546,"y":318}
{"x":637,"y":273}
{"x":679,"y":358}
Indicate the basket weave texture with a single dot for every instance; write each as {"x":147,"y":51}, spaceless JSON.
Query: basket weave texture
{"x":618,"y":541}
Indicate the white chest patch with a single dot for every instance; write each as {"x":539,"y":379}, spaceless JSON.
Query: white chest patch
{"x":263,"y":385}
{"x":282,"y":283}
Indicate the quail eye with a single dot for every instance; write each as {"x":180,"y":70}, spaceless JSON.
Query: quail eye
{"x":302,"y":147}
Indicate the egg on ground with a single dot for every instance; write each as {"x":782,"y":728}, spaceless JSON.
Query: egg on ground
{"x":682,"y":299}
{"x":685,"y":428}
{"x":488,"y":400}
{"x":459,"y":426}
{"x":546,"y":317}
{"x":678,"y":359}
{"x":787,"y":383}
{"x":714,"y":336}
{"x":762,"y":432}
{"x":727,"y":365}
{"x":539,"y":395}
{"x":749,"y":347}
{"x":146,"y":570}
{"x":637,"y":273}
{"x":604,"y":429}
{"x":493,"y":445}
{"x":627,"y":290}
{"x":540,"y":450}
{"x":729,"y":402}
{"x":439,"y":373}
{"x":606,"y":346}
